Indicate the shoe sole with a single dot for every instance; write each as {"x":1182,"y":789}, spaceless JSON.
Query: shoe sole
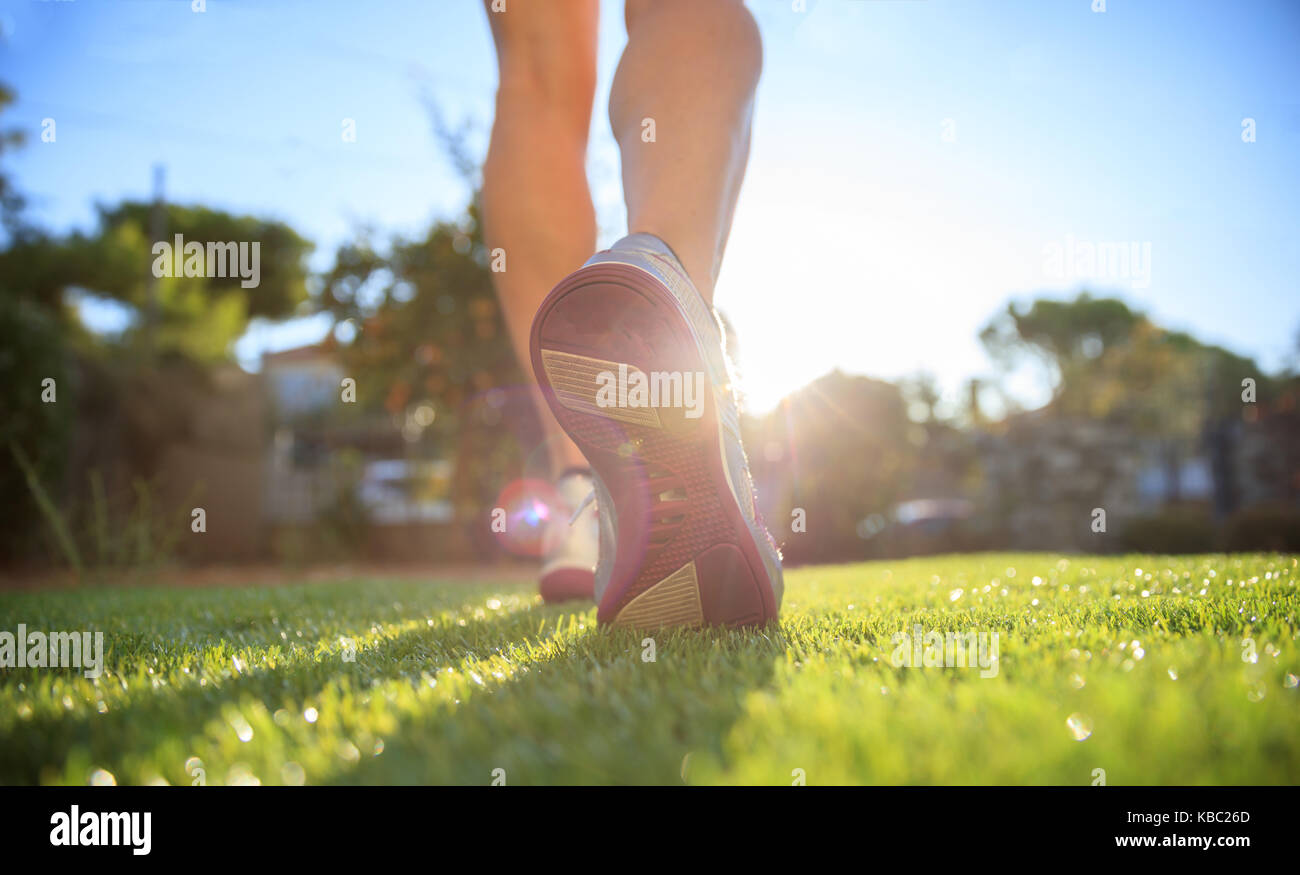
{"x":686,"y":555}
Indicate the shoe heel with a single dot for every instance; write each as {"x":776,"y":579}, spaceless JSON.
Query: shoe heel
{"x":673,"y":601}
{"x":717,"y":588}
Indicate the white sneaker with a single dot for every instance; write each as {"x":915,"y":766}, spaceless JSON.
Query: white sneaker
{"x":570,"y":543}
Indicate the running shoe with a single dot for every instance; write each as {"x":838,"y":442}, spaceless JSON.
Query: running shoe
{"x":630,"y":359}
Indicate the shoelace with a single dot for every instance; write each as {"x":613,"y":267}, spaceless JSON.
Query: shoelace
{"x":591,"y":496}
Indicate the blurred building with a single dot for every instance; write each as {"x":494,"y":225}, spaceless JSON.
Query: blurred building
{"x":1043,"y":478}
{"x":347,"y":484}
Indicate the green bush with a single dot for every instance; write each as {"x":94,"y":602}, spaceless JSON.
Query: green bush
{"x":31,"y":429}
{"x":1175,"y":530}
{"x":1274,"y":526}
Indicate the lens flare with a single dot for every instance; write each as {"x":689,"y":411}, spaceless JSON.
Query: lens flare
{"x":529,"y":505}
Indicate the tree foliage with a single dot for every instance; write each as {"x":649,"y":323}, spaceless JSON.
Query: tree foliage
{"x":199,"y":317}
{"x":839,"y":449}
{"x":429,"y":333}
{"x":1111,"y":362}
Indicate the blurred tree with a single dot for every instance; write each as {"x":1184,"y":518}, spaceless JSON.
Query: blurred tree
{"x":33,"y":371}
{"x":922,"y":393}
{"x":11,"y":202}
{"x":113,"y":417}
{"x":429,"y":348}
{"x":1113,"y":363}
{"x":199,"y":317}
{"x":841,"y":449}
{"x":1109,"y":361}
{"x":421,"y":329}
{"x":1064,"y":336}
{"x":34,"y":425}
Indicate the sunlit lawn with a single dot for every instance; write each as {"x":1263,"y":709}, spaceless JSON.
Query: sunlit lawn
{"x":1156,"y":670}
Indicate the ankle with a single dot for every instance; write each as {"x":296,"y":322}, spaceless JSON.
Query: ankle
{"x":699,"y":265}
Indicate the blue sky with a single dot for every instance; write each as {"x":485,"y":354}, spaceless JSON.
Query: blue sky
{"x":913,"y":161}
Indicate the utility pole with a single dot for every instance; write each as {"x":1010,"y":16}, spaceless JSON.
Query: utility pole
{"x":973,"y":403}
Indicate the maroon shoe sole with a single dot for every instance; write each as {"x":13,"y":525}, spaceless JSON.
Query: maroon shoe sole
{"x":685,"y":554}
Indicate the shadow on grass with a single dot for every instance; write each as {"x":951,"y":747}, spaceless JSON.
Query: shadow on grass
{"x":600,"y":713}
{"x":575,"y":705}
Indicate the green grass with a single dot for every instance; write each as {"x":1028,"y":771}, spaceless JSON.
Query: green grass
{"x":452,"y":680}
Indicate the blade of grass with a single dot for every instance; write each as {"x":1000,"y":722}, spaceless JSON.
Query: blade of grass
{"x":48,"y":510}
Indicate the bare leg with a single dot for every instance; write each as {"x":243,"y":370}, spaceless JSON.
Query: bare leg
{"x":692,"y":68}
{"x":536,"y":202}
